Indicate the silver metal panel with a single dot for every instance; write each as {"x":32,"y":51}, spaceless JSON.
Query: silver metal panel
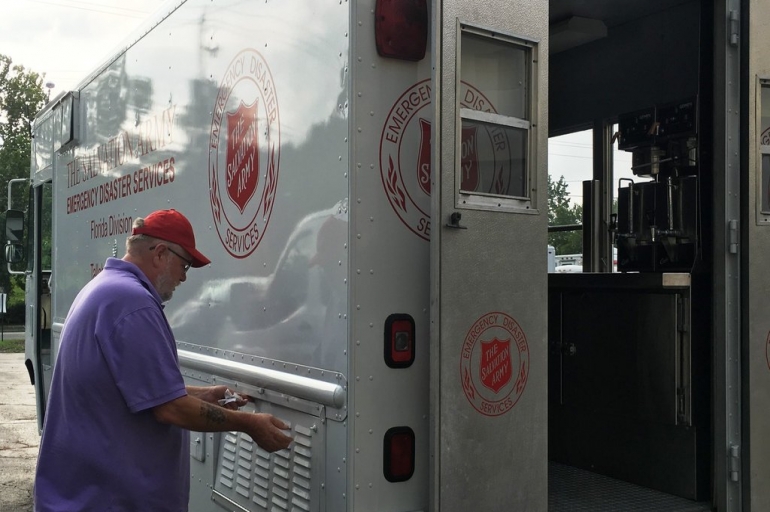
{"x":222,"y":464}
{"x":756,"y":471}
{"x":488,"y":286}
{"x":390,"y":225}
{"x":154,"y":125}
{"x":287,"y":480}
{"x":728,"y":394}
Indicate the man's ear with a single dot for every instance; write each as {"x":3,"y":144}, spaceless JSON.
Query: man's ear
{"x":158,"y":258}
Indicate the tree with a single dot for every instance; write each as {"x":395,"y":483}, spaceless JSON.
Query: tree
{"x":21,"y":98}
{"x":560,"y":213}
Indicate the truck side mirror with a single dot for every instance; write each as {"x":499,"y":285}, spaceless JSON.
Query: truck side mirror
{"x":14,"y":235}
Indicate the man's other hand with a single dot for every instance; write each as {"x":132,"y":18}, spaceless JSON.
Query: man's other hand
{"x":267,"y":431}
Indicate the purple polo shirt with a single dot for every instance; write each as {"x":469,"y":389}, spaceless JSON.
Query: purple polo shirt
{"x":102,"y":448}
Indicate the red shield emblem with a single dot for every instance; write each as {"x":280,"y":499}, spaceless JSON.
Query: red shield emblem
{"x":496,"y":364}
{"x":242,"y":155}
{"x":423,"y":157}
{"x":469,"y":159}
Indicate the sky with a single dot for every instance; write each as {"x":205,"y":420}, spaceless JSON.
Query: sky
{"x":571,"y":156}
{"x":67,"y":39}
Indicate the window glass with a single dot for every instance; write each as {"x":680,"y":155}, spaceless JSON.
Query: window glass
{"x":763,"y":194}
{"x":621,"y":173}
{"x":46,"y":226}
{"x":43,"y":194}
{"x":570,"y":162}
{"x":621,"y":170}
{"x":501,"y":71}
{"x":43,"y":142}
{"x":765,"y":122}
{"x":493,"y":159}
{"x":765,"y":191}
{"x":65,"y":123}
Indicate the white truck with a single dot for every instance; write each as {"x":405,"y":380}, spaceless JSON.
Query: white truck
{"x":368,"y":178}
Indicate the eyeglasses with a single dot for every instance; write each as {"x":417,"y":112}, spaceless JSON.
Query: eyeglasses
{"x":188,"y":263}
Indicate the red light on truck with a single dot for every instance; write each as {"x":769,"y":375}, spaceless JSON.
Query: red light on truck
{"x":401,"y":29}
{"x":399,"y":341}
{"x":398,"y":456}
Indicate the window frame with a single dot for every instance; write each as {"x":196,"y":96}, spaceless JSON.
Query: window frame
{"x":489,"y":201}
{"x":763,"y":151}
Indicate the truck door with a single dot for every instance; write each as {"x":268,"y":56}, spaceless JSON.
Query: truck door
{"x":30,"y":246}
{"x":488,"y":256}
{"x":38,"y":290}
{"x":52,"y":128}
{"x":749,"y":465}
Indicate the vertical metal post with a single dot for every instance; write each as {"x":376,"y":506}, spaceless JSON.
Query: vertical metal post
{"x":592,"y":222}
{"x":728,"y":407}
{"x":603,"y":171}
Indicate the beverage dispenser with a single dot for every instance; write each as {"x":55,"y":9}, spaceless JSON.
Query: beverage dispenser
{"x":657,"y":220}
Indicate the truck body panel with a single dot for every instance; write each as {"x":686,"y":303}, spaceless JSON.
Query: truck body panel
{"x":370,"y":181}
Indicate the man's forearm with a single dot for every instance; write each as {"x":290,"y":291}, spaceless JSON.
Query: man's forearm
{"x":192,"y":413}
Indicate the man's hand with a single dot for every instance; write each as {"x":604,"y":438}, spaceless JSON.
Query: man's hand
{"x":266,"y":431}
{"x":213,"y":394}
{"x":197,"y":413}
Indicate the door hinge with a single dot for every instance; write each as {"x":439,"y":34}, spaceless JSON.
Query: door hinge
{"x":732,"y":236}
{"x":734,"y":456}
{"x":735,"y":27}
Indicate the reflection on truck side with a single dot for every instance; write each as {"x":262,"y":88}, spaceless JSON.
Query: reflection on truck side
{"x":274,"y":316}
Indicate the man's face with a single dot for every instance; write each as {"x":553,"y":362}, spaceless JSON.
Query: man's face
{"x":173,"y":275}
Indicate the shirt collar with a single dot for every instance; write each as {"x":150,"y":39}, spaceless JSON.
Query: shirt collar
{"x":119,"y":265}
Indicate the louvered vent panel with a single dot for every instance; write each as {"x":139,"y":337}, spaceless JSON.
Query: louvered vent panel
{"x":302,"y":459}
{"x":227,"y":463}
{"x":284,"y":481}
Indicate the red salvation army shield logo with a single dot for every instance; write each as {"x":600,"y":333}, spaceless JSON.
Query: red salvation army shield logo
{"x":494,"y":364}
{"x":244,"y":153}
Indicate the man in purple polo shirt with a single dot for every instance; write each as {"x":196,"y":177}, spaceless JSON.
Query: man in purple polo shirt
{"x":116,"y":436}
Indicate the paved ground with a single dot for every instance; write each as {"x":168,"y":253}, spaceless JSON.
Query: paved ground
{"x":19,"y":439}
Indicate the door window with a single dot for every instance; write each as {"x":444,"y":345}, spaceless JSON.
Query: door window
{"x":496,"y":99}
{"x":763,"y":194}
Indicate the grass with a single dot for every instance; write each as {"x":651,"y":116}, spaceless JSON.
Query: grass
{"x":9,"y":346}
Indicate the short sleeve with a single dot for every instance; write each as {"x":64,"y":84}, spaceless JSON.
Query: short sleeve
{"x":140,"y":352}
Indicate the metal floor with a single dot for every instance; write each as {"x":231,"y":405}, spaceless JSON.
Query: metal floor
{"x":576,"y":490}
